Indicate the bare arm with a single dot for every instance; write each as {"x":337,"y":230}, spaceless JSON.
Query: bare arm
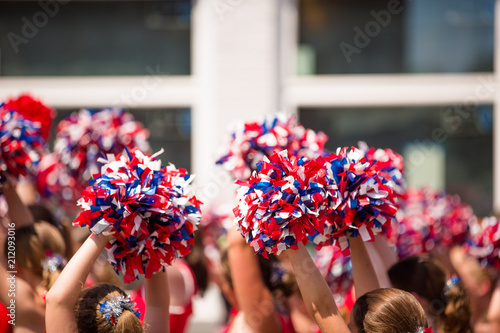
{"x":382,"y":257}
{"x":64,"y":294}
{"x":156,"y":318}
{"x":253,"y":297}
{"x":315,"y":292}
{"x":364,"y":275}
{"x":18,"y":212}
{"x":493,"y":315}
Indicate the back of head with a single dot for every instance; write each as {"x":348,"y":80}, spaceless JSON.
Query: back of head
{"x":388,"y":310}
{"x":420,"y":275}
{"x":447,"y":303}
{"x":90,"y":317}
{"x":43,"y":250}
{"x":42,"y":213}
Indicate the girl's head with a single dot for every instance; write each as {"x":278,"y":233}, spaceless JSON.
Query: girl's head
{"x":43,"y":250}
{"x":445,"y":303}
{"x":387,"y":310}
{"x":90,"y":311}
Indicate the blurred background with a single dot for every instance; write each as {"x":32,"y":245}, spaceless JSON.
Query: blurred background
{"x":418,"y":77}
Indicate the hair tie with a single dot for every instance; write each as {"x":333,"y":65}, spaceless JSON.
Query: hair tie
{"x":424,"y":330}
{"x":111,"y":310}
{"x":449,"y":284}
{"x":53,"y":262}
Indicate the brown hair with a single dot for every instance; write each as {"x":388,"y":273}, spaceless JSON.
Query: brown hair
{"x":447,"y":303}
{"x":197,"y":262}
{"x":388,"y":310}
{"x":90,"y":320}
{"x":42,"y":213}
{"x":37,"y":243}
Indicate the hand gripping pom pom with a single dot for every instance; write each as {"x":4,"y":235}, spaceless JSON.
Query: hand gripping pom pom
{"x":282,"y":203}
{"x":81,"y":139}
{"x":254,"y":140}
{"x":430,"y":221}
{"x":20,"y":142}
{"x":365,"y":201}
{"x":34,"y":111}
{"x":150,"y":210}
{"x":484,"y":242}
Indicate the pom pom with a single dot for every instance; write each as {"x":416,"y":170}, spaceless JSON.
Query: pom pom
{"x":20,"y":143}
{"x":214,"y":225}
{"x":430,"y":221}
{"x":150,"y":210}
{"x":81,"y":139}
{"x":55,"y":178}
{"x":35,"y":111}
{"x":366,"y":201}
{"x":389,"y":163}
{"x":254,"y":140}
{"x":484,"y":242}
{"x":282,"y":203}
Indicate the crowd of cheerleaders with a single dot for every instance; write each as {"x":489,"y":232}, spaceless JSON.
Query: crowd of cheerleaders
{"x":291,"y":191}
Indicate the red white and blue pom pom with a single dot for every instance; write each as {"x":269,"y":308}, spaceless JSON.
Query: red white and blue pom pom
{"x":55,"y":178}
{"x":150,"y":210}
{"x":35,"y":111}
{"x":484,"y":242}
{"x":336,"y":270}
{"x":21,"y":145}
{"x":431,"y":221}
{"x":254,"y":140}
{"x":389,"y":163}
{"x":214,"y":226}
{"x":282,"y":203}
{"x":366,"y":202}
{"x":85,"y":136}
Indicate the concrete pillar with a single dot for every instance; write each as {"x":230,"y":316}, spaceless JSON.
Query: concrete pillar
{"x":242,"y":52}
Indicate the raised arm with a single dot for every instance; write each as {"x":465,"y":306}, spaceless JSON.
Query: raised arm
{"x":493,"y":315}
{"x":315,"y":292}
{"x":156,"y":318}
{"x":62,"y":297}
{"x":18,"y":211}
{"x":382,"y":257}
{"x":254,"y":298}
{"x":364,"y":275}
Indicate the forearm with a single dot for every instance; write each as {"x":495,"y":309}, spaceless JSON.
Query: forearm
{"x":386,"y":253}
{"x":364,"y":275}
{"x":18,"y":212}
{"x":253,"y":296}
{"x":157,"y":293}
{"x":68,"y":285}
{"x":317,"y":296}
{"x":493,"y":314}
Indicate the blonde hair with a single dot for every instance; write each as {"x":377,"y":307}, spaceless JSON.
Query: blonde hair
{"x":38,"y":243}
{"x":89,"y":318}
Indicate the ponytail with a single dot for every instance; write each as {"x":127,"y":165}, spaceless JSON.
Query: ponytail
{"x":456,"y":315}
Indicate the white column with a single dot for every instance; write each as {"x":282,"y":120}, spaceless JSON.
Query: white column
{"x":496,"y":114}
{"x":237,"y":75}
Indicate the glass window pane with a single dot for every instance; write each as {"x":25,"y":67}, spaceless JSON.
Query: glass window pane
{"x":392,"y":36}
{"x":169,"y":129}
{"x":94,"y":37}
{"x":461,"y":134}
